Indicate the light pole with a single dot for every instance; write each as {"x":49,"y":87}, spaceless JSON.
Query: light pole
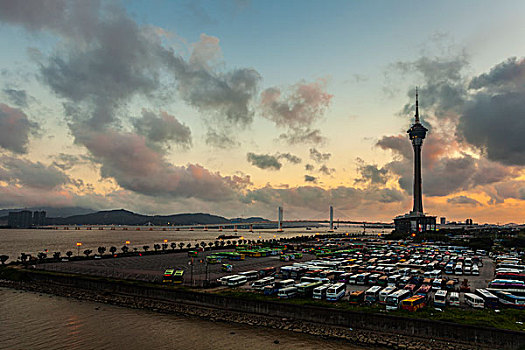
{"x":79,"y":244}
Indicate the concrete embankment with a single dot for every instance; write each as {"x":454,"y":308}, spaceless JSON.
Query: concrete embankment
{"x":357,"y":327}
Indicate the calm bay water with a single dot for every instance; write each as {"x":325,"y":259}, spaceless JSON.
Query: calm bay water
{"x":16,"y":241}
{"x":32,"y":321}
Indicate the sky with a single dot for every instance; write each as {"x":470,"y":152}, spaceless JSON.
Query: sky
{"x":236,"y":107}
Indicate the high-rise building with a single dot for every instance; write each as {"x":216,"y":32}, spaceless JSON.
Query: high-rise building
{"x":416,"y":220}
{"x":442,"y":220}
{"x":20,"y":219}
{"x":39,"y":218}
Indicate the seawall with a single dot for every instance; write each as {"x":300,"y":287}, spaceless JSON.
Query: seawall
{"x":388,"y":330}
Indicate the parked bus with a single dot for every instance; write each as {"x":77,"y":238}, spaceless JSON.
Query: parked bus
{"x":507,"y":284}
{"x":178,"y":276}
{"x":356,"y":297}
{"x":386,"y":292}
{"x":474,"y":301}
{"x":287,"y":293}
{"x":268,"y":271}
{"x":437,"y":283}
{"x":372,"y":294}
{"x":263,"y":282}
{"x":307,"y":289}
{"x":424,"y":290}
{"x":458,"y":270}
{"x":449,"y":268}
{"x":373,"y":278}
{"x":362,"y":279}
{"x":510,"y":300}
{"x":392,"y":280}
{"x":320,"y":292}
{"x":250,"y":275}
{"x":440,"y":298}
{"x":511,"y":276}
{"x":237,"y":281}
{"x":382,"y":281}
{"x":353,"y":279}
{"x":168,"y":276}
{"x":394,"y":299}
{"x":336,"y":292}
{"x":454,"y":299}
{"x":491,"y":301}
{"x":224,"y":280}
{"x":413,"y":303}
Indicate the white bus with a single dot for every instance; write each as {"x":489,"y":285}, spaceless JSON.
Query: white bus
{"x":436,"y":284}
{"x":394,"y":299}
{"x":320,"y":292}
{"x":372,"y":294}
{"x":224,"y":280}
{"x":440,"y":298}
{"x":458,"y":270}
{"x":474,"y":301}
{"x":287,"y":293}
{"x":250,"y":275}
{"x":386,"y":292}
{"x":237,"y":281}
{"x":336,"y":291}
{"x":260,"y":284}
{"x":454,"y":299}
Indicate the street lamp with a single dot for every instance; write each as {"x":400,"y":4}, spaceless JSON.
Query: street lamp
{"x":79,"y":244}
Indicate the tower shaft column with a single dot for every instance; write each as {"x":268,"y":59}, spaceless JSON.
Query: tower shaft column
{"x":418,"y":200}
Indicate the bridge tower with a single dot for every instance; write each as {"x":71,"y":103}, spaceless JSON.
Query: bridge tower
{"x":280,"y":226}
{"x":331,"y":219}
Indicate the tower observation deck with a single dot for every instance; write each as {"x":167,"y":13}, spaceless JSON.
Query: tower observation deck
{"x":416,"y":220}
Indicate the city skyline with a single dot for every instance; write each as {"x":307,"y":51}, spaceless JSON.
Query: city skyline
{"x":238,"y":107}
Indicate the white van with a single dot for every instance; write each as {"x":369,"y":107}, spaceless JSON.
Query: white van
{"x":454,"y":299}
{"x":286,"y":293}
{"x":474,"y":301}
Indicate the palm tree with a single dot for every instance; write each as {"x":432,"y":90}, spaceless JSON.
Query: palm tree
{"x":23,"y":257}
{"x":101,"y":250}
{"x":228,"y":242}
{"x":173,"y":245}
{"x":196,"y":245}
{"x":156,"y":246}
{"x":234,"y":242}
{"x":145,"y":247}
{"x":69,"y":253}
{"x":222,"y":243}
{"x":56,"y":255}
{"x":124,"y":249}
{"x":188,"y":245}
{"x":42,"y":256}
{"x":87,"y":252}
{"x":203,"y":245}
{"x":135,"y":249}
{"x":113,"y":250}
{"x":164,"y":246}
{"x":3,"y":258}
{"x":217,"y":243}
{"x":210,"y":244}
{"x":181,"y":245}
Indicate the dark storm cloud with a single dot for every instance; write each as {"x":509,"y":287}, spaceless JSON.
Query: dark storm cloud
{"x":319,"y":157}
{"x":464,"y":200}
{"x":17,"y":97}
{"x":15,"y":129}
{"x":162,"y":129}
{"x":264,"y":161}
{"x":308,"y":178}
{"x":26,"y":173}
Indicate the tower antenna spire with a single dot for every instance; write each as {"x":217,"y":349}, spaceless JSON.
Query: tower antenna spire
{"x":417,"y":107}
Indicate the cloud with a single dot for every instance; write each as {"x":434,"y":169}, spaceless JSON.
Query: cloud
{"x":463,"y":200}
{"x":297,"y":108}
{"x":264,"y":161}
{"x":15,"y":128}
{"x":319,"y":157}
{"x":220,"y":139}
{"x":162,"y":129}
{"x":371,"y":174}
{"x":303,"y":136}
{"x":308,"y":167}
{"x":289,"y":157}
{"x":326,"y":170}
{"x":17,"y":97}
{"x":32,"y":174}
{"x":308,"y":178}
{"x":65,"y":161}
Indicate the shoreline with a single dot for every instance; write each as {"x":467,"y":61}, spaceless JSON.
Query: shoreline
{"x":364,"y":338}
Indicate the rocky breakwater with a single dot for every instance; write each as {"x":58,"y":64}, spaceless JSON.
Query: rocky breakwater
{"x":354,"y":336}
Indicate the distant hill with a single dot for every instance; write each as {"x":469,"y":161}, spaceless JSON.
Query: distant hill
{"x":125,"y":217}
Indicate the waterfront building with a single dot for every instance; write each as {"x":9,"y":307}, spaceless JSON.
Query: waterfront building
{"x":20,"y":219}
{"x":39,"y":218}
{"x":416,"y":220}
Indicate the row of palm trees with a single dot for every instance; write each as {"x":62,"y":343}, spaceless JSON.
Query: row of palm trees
{"x":125,"y":249}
